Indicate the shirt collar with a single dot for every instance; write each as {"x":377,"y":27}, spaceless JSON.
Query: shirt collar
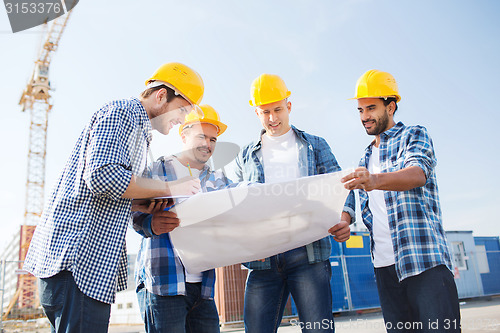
{"x":258,"y":144}
{"x":394,"y":130}
{"x":391,"y":132}
{"x":169,"y":159}
{"x":145,"y":121}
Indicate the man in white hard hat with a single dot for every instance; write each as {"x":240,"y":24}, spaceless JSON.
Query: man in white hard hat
{"x":283,"y":153}
{"x":400,"y":207}
{"x":78,"y":249}
{"x":170,"y":298}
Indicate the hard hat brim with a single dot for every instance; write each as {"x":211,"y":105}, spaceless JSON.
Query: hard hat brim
{"x":397,"y":97}
{"x":221,"y":126}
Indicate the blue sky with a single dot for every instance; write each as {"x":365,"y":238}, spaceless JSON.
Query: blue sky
{"x":443,"y":54}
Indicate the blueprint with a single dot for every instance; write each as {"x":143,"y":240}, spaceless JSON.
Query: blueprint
{"x":253,"y":222}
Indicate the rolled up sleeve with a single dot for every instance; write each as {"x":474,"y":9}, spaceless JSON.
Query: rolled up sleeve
{"x":420,"y":151}
{"x":350,"y":206}
{"x":110,"y":180}
{"x":141,"y":223}
{"x":109,"y":153}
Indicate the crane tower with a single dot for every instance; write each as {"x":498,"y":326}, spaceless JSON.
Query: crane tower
{"x":36,"y":100}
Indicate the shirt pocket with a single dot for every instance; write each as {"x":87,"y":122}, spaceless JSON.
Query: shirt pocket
{"x":250,"y":172}
{"x":395,"y":162}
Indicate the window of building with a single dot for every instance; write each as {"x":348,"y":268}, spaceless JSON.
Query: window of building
{"x":459,"y":255}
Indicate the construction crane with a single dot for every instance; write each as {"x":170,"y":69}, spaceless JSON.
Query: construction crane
{"x":36,"y":99}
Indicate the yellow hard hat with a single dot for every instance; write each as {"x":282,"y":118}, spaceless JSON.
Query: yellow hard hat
{"x":268,"y":88}
{"x":375,"y":84}
{"x":184,"y":80}
{"x":210,"y":116}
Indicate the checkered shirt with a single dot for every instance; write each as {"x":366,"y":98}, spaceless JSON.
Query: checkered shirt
{"x":83,"y":227}
{"x":158,"y":266}
{"x":414,"y":216}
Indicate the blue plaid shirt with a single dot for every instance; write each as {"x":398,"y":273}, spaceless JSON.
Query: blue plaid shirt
{"x":83,"y":227}
{"x":158,"y":266}
{"x":414,"y":216}
{"x":315,"y":158}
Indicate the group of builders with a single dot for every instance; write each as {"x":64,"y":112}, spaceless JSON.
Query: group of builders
{"x":78,"y":250}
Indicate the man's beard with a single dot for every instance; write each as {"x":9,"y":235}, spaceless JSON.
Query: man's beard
{"x":380,"y":125}
{"x":202,"y":157}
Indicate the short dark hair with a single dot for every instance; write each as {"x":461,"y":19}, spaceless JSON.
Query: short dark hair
{"x":170,"y":92}
{"x":388,"y":101}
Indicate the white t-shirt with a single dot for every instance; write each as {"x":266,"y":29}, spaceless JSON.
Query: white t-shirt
{"x":383,"y":251}
{"x":280,"y":157}
{"x":182,"y":171}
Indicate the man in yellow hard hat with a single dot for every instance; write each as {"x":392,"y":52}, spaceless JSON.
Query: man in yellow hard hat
{"x":400,"y":207}
{"x":170,"y":298}
{"x":78,"y":249}
{"x":283,"y":152}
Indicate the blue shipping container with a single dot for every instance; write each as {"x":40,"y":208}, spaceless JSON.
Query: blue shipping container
{"x":488,"y":253}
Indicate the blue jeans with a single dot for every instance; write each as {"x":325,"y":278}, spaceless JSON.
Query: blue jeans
{"x":178,"y":314}
{"x":427,"y":302}
{"x":267,"y":293}
{"x":68,"y":309}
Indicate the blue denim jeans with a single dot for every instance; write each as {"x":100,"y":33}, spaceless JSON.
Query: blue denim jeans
{"x":267,"y":293}
{"x":178,"y":314}
{"x":427,"y":302}
{"x":68,"y":309}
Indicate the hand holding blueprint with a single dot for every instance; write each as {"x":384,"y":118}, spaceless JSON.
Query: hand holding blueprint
{"x":247,"y":223}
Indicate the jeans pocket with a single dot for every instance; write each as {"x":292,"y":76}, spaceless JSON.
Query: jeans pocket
{"x":328,"y":269}
{"x":53,"y":290}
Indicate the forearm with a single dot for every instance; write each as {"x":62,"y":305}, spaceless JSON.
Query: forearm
{"x":345,"y":216}
{"x":146,"y":188}
{"x":401,"y":180}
